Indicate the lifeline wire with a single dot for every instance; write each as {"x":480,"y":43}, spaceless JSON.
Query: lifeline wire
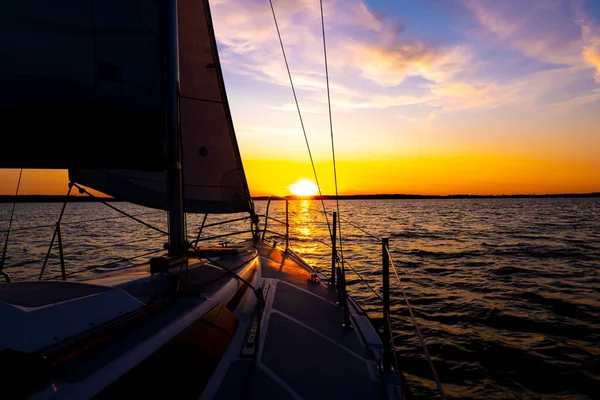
{"x":414,"y":321}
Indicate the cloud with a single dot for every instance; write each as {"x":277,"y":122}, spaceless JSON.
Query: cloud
{"x":460,"y":95}
{"x":568,"y":105}
{"x":374,"y":62}
{"x":459,"y":89}
{"x":363,"y":48}
{"x":590,"y":34}
{"x":377,"y":101}
{"x":388,"y":64}
{"x":556,"y":32}
{"x":541,"y":30}
{"x":591,"y":53}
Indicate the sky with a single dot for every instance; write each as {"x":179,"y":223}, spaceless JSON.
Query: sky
{"x":427,"y":96}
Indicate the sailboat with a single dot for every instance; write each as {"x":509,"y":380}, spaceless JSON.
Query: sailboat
{"x":129,"y":96}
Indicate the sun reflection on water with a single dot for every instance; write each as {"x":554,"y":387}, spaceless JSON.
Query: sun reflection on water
{"x":305,"y":226}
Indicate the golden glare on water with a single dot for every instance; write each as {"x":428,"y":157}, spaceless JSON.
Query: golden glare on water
{"x":304,"y":187}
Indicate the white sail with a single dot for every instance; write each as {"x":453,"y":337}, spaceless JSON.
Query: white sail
{"x":213,"y":176}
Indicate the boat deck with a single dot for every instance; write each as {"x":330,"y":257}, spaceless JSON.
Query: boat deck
{"x":294,"y":346}
{"x":304,"y":351}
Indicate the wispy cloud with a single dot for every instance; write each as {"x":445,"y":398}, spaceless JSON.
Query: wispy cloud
{"x":568,"y":105}
{"x":363,"y":48}
{"x":371,"y":57}
{"x":556,"y":32}
{"x":388,"y":64}
{"x":590,"y":34}
{"x":542,"y":30}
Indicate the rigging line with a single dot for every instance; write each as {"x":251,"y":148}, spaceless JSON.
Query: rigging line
{"x":92,"y":267}
{"x":257,"y":291}
{"x":370,"y":274}
{"x":414,"y":321}
{"x":83,"y":190}
{"x":81,"y":221}
{"x":12,"y":213}
{"x":364,"y":281}
{"x":360,"y":277}
{"x":300,"y":115}
{"x":244,"y":281}
{"x":389,"y":326}
{"x":351,"y":224}
{"x":116,"y":245}
{"x":361,"y":229}
{"x":337,"y":201}
{"x":56,"y":231}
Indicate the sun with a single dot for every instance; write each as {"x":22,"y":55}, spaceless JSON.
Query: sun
{"x":304,"y":187}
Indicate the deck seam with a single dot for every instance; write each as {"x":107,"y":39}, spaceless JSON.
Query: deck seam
{"x":283,"y":384}
{"x":323,"y":336}
{"x":353,"y":315}
{"x":311,"y":293}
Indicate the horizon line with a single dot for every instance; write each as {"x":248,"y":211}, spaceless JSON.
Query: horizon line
{"x":24,"y":198}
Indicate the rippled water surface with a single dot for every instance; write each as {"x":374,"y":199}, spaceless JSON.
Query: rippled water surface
{"x":506,"y":291}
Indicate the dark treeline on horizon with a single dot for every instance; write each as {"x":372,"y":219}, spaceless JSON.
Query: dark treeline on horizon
{"x":79,"y":199}
{"x":426,"y":196}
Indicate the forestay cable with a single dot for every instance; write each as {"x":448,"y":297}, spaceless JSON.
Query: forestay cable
{"x":299,"y":114}
{"x":337,"y":201}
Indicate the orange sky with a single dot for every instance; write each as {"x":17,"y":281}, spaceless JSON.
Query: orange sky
{"x":422,"y":175}
{"x":452,"y":97}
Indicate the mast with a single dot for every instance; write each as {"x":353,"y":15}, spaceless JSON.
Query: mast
{"x":174,"y":171}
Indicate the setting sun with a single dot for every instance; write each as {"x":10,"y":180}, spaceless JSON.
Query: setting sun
{"x":304,"y":187}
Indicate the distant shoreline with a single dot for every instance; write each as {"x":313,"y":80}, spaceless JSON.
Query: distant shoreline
{"x":427,"y":196}
{"x":87,"y":199}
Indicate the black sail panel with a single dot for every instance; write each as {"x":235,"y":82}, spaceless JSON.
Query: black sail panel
{"x":82,"y":84}
{"x":213,"y":176}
